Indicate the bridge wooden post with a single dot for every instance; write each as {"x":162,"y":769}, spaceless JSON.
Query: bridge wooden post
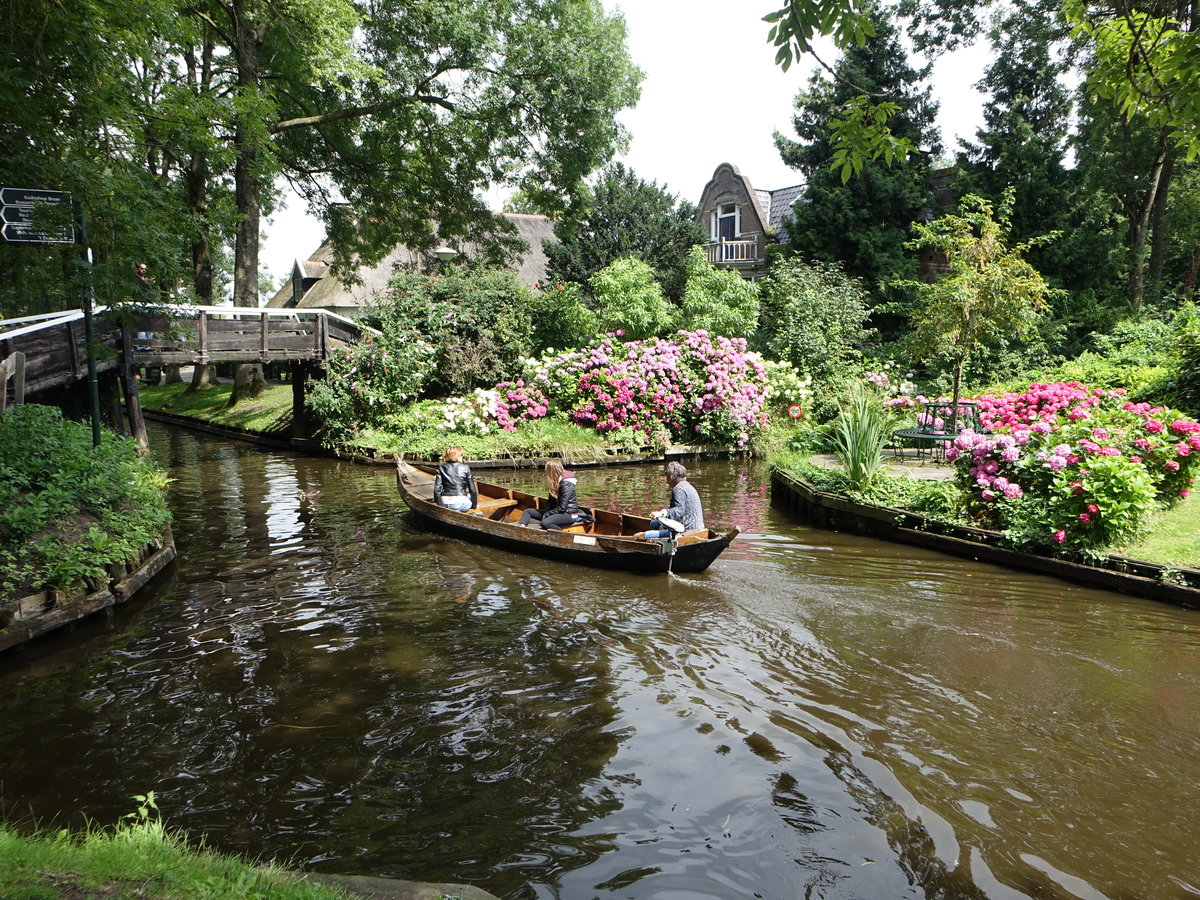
{"x":14,"y":368}
{"x":265,"y":348}
{"x":303,"y":371}
{"x":202,"y":328}
{"x":133,"y":402}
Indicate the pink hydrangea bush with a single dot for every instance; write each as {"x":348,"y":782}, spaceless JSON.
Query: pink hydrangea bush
{"x":1075,"y":469}
{"x":694,"y":386}
{"x":517,"y":402}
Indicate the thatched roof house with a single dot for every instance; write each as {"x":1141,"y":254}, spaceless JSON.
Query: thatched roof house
{"x":313,"y":285}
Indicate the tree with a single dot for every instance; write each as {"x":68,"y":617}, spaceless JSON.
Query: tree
{"x":990,"y":292}
{"x":629,"y":299}
{"x":717,"y":300}
{"x":862,"y":223}
{"x":386,"y":118}
{"x":1146,"y":60}
{"x":1023,"y":142}
{"x":79,"y":88}
{"x":625,"y":215}
{"x":813,"y":316}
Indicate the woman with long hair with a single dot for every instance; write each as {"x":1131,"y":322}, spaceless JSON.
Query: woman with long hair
{"x":562,"y":506}
{"x":454,"y":486}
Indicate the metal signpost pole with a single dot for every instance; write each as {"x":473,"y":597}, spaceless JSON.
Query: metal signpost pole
{"x":86,"y":292}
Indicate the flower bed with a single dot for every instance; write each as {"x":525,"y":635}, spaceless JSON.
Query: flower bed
{"x":1071,"y":469}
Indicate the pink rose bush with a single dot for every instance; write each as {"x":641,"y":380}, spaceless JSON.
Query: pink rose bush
{"x":1074,"y":469}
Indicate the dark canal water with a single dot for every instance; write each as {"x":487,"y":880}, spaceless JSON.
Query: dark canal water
{"x":320,"y":681}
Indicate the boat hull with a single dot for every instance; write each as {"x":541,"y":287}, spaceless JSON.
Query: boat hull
{"x":616,"y":549}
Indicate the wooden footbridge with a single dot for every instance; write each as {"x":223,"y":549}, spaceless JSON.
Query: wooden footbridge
{"x":48,"y":351}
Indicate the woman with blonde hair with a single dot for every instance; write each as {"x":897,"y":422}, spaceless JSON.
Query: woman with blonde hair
{"x":562,"y":507}
{"x":454,"y":485}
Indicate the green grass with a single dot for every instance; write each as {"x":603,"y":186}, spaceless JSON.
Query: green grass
{"x":1174,"y":538}
{"x":270,"y":412}
{"x":541,"y":437}
{"x":142,"y":860}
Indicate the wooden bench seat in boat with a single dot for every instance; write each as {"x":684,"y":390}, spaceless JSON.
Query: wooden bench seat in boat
{"x":491,"y":504}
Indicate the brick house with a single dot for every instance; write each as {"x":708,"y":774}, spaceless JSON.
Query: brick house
{"x":741,"y":221}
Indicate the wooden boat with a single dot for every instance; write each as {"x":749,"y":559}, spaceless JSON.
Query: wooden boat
{"x":608,"y":542}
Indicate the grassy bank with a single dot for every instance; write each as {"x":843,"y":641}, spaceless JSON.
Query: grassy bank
{"x":142,"y":860}
{"x":1174,"y":538}
{"x":270,"y":412}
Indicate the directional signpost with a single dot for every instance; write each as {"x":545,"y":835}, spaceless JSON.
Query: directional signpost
{"x":22,"y":224}
{"x":17,"y":214}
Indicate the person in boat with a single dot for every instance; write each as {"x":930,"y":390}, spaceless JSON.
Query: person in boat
{"x":454,"y":485}
{"x":685,"y":507}
{"x":562,"y":506}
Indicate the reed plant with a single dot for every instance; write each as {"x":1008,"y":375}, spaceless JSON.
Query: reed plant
{"x":859,"y":434}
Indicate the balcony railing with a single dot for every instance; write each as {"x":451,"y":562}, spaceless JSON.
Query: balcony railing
{"x":726,"y":252}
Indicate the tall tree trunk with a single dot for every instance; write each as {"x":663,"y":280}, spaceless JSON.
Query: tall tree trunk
{"x":200,"y":77}
{"x":1158,"y":238}
{"x":1188,"y":285}
{"x":247,"y":179}
{"x":202,"y":267}
{"x":1140,"y":227}
{"x":203,"y":376}
{"x":248,"y":382}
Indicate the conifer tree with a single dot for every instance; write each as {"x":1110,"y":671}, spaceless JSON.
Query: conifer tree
{"x":863,"y":222}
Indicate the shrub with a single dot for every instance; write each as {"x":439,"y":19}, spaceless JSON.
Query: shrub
{"x":1075,"y":469}
{"x":813,"y":316}
{"x":630,"y":299}
{"x":68,"y":509}
{"x":716,"y":300}
{"x":560,"y":318}
{"x":478,"y":321}
{"x":695,"y":386}
{"x":369,"y":380}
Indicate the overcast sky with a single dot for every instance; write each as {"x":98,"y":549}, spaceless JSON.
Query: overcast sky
{"x":711,"y":94}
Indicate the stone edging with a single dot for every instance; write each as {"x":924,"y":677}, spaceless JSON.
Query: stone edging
{"x":47,"y":610}
{"x":1116,"y":573}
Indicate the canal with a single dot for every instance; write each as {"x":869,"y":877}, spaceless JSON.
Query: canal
{"x":318,"y":681}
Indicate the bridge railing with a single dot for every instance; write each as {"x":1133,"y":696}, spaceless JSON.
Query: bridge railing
{"x":54,"y":347}
{"x":55,"y":351}
{"x":212,"y":334}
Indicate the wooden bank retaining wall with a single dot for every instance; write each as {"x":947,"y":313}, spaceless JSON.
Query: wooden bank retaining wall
{"x":34,"y":615}
{"x":1177,"y":585}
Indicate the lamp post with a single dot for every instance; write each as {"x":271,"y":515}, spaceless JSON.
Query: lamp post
{"x":444,"y":254}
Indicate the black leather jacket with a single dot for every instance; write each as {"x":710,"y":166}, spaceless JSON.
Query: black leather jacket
{"x":567,"y":502}
{"x":454,"y":480}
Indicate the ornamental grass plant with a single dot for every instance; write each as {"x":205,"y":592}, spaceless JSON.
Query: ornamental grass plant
{"x":859,"y":434}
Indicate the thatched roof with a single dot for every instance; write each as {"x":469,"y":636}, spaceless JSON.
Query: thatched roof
{"x":322,"y":289}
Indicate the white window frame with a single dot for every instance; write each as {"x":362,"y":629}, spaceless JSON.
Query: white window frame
{"x":718,"y":215}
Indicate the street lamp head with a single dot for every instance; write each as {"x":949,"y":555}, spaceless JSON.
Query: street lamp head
{"x":444,"y":253}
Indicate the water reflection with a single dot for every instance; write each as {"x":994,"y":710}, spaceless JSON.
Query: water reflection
{"x":817,"y":715}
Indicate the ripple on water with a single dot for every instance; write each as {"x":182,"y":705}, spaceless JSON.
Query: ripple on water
{"x":816,"y":714}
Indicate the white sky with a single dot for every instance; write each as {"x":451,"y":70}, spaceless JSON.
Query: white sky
{"x":711,"y":94}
